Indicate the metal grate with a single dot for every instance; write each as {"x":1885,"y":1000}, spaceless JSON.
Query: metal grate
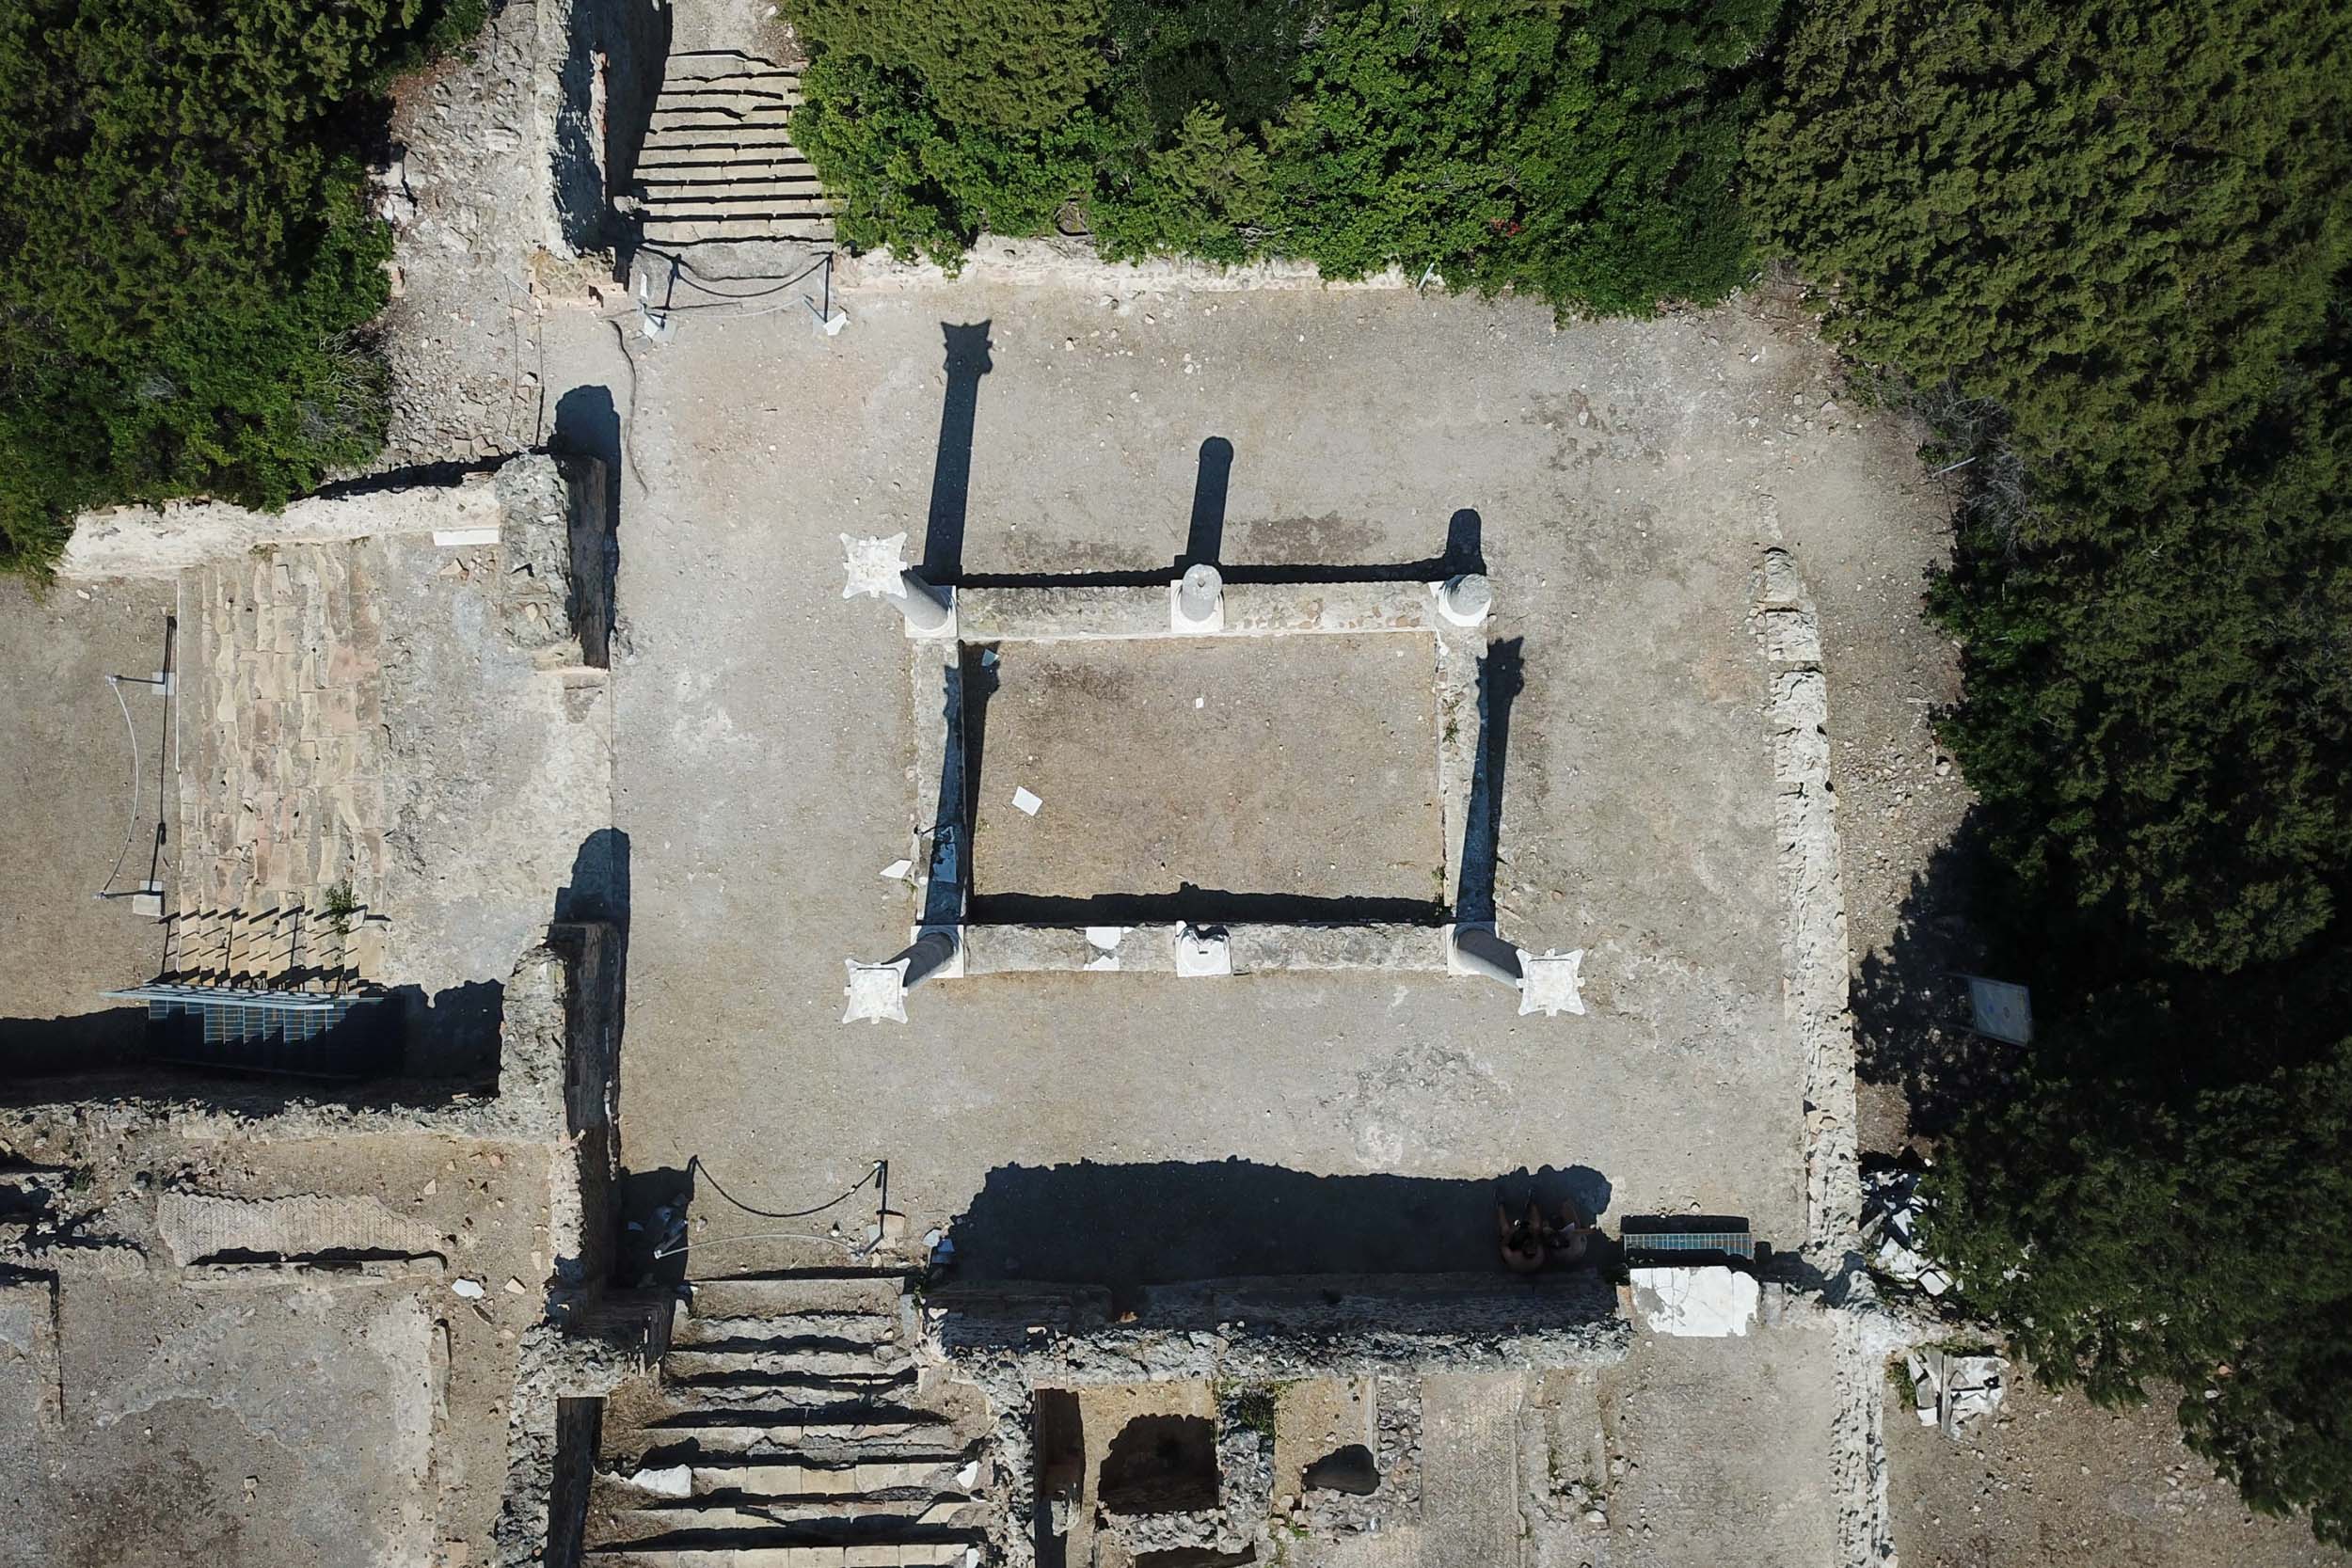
{"x":1736,"y":1244}
{"x":259,"y":1029}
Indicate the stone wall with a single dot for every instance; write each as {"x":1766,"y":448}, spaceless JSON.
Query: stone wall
{"x":1237,"y":1335}
{"x":555,"y":595}
{"x":164,"y":541}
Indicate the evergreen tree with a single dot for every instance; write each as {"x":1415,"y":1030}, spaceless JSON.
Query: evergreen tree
{"x":1584,"y":152}
{"x":184,"y":255}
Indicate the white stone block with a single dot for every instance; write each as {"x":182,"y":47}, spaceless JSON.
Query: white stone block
{"x":1712,"y":1301}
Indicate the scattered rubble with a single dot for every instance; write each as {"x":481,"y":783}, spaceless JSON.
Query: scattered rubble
{"x":1950,"y":1391}
{"x":1892,"y":1212}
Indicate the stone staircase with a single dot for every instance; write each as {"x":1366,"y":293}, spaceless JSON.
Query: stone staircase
{"x":718,"y":164}
{"x":290,"y":947}
{"x":792,"y":1403}
{"x":281,"y":794}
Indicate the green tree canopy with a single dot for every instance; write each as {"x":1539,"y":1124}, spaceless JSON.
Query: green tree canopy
{"x":2143,"y":1209}
{"x":1586,"y":152}
{"x":2114,"y":219}
{"x":184,"y":254}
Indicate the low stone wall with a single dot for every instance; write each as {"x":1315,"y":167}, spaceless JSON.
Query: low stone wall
{"x":1051,"y":611}
{"x":555,"y":543}
{"x":546,"y":513}
{"x":1249,"y":948}
{"x":1010,"y":1340}
{"x":1074,"y":264}
{"x":991,"y":615}
{"x":164,"y":541}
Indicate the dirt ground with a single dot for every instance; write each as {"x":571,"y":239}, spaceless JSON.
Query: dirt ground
{"x":1305,"y":767}
{"x":67,"y":796}
{"x":2056,"y":1483}
{"x":250,"y":1415}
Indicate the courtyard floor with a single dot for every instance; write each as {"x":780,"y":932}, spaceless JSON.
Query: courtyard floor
{"x":1617,"y":481}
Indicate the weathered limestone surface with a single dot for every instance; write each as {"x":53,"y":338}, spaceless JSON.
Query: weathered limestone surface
{"x":160,"y":541}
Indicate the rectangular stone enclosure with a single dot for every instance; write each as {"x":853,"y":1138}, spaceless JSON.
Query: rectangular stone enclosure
{"x":1264,"y":768}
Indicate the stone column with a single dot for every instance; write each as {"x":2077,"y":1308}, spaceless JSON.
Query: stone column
{"x":877,"y":570}
{"x":1477,"y":950}
{"x":878,"y":991}
{"x":1466,"y":600}
{"x":1198,"y":601}
{"x":929,"y":611}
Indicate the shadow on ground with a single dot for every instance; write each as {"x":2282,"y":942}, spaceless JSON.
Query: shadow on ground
{"x":1910,"y":998}
{"x":966,"y":361}
{"x":1172,"y":1221}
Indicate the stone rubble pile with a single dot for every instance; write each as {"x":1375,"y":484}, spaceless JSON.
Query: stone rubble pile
{"x":1951,"y":1391}
{"x":1891,"y":1211}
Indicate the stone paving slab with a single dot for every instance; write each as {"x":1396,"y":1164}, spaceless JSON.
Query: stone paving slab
{"x":285,"y":795}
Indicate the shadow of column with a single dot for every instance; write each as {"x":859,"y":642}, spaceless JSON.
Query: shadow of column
{"x":1465,"y":546}
{"x":1498,"y":682}
{"x":967,"y":683}
{"x":1204,"y":540}
{"x":951,"y":469}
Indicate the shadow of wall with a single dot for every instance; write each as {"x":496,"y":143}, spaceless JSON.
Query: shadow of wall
{"x":1170,"y":1221}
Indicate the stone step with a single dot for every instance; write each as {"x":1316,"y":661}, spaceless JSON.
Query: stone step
{"x":899,"y":1554}
{"x":675,"y":203}
{"x":712,"y":73}
{"x":725,"y":166}
{"x":738,"y":105}
{"x":671,"y":118}
{"x":718,"y":132}
{"x":746,"y":83}
{"x":744,"y":149}
{"x":816,"y":1330}
{"x":722,"y":1442}
{"x":734,"y":184}
{"x":817,"y":1522}
{"x":737,"y":230}
{"x":691,"y":168}
{"x":758,"y":1389}
{"x":790,"y":1294}
{"x":861,"y":1366}
{"x":832,"y":1400}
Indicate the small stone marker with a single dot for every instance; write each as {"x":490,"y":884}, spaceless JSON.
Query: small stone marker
{"x":469,"y":1289}
{"x":1201,"y":952}
{"x":876,"y":991}
{"x":1549,"y":981}
{"x":1023,"y":802}
{"x":897,"y":869}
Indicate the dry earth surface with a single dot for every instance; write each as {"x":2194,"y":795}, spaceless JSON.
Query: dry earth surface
{"x":66,"y":793}
{"x":2054,"y":1481}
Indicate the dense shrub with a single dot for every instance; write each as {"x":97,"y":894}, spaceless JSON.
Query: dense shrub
{"x":1583,"y":152}
{"x":2113,"y":242}
{"x":2121,"y":226}
{"x":2114,"y":219}
{"x":2160,"y":1198}
{"x":186,"y":258}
